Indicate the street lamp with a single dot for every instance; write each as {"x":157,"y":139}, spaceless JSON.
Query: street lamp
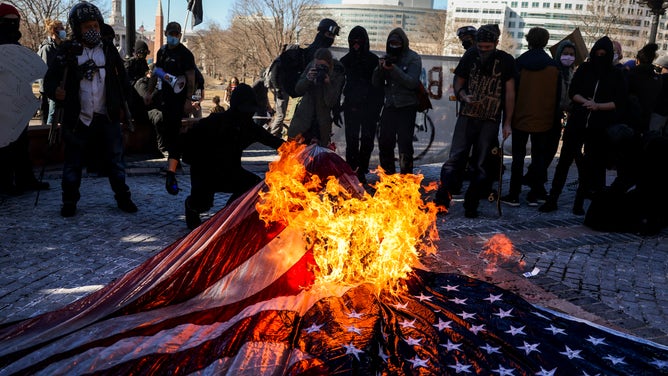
{"x":658,"y":8}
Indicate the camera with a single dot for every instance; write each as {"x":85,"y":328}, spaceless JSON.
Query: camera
{"x":322,"y":71}
{"x":69,"y":50}
{"x":389,"y":60}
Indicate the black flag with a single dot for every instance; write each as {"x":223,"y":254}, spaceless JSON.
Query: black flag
{"x":195,"y":6}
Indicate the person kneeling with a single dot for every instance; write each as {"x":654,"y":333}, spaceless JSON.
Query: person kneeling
{"x":213,"y":148}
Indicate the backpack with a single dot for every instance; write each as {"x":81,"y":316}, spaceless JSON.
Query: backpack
{"x":285,"y":70}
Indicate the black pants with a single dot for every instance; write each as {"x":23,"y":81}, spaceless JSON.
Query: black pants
{"x":360,"y":128}
{"x":205,"y":183}
{"x":539,"y":169}
{"x":397,"y":126}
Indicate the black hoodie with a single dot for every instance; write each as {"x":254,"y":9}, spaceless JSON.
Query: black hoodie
{"x":359,"y":65}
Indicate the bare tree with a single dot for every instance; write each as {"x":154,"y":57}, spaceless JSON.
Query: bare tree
{"x":608,"y":17}
{"x":35,"y":12}
{"x":260,"y":29}
{"x":430,"y":34}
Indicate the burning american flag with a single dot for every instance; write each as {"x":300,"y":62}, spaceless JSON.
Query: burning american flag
{"x":307,"y":274}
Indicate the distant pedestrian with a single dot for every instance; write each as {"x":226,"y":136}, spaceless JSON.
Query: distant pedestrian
{"x":175,"y":59}
{"x":321,"y":85}
{"x":213,"y":149}
{"x":398,"y":72}
{"x":536,"y":111}
{"x":55,"y":35}
{"x":234,"y":82}
{"x":362,"y":101}
{"x":95,"y":87}
{"x":486,"y":86}
{"x":216,"y":105}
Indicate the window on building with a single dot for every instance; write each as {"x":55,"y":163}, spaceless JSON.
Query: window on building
{"x":513,"y":4}
{"x":520,"y":34}
{"x":522,"y":24}
{"x":546,"y":5}
{"x":557,"y":5}
{"x":511,"y":24}
{"x":578,"y":6}
{"x":535,"y":4}
{"x":568,"y":6}
{"x":525,"y":4}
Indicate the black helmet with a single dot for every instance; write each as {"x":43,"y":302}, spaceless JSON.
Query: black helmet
{"x":466,"y":30}
{"x":141,"y":46}
{"x":328,"y":24}
{"x":82,"y":12}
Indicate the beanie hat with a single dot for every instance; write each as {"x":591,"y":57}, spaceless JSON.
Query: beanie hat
{"x":141,"y":46}
{"x":173,"y":27}
{"x":488,"y":33}
{"x":7,"y":9}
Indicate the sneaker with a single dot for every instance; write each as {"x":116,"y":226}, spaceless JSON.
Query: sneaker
{"x":548,"y":206}
{"x":192,"y":217}
{"x":127,"y":205}
{"x":510,"y":200}
{"x":534,"y":199}
{"x":68,"y":210}
{"x":171,"y":184}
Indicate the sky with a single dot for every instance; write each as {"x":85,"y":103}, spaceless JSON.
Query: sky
{"x":215,"y":11}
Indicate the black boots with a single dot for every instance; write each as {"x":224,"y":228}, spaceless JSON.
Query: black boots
{"x":192,"y":216}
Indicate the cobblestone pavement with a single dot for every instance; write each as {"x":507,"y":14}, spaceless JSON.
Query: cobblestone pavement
{"x":47,"y":261}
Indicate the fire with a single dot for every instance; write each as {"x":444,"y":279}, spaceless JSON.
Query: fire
{"x":499,"y":250}
{"x":355,"y":237}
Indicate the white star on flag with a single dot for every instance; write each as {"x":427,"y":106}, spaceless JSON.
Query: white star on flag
{"x":451,"y":346}
{"x":615,"y":360}
{"x":354,"y":315}
{"x":458,"y":301}
{"x":465,"y":315}
{"x":461,"y":368}
{"x":443,"y":324}
{"x":555,"y":330}
{"x":417,"y":362}
{"x":502,"y":314}
{"x":407,"y":324}
{"x":528,"y":347}
{"x":596,"y":341}
{"x":351,"y":349}
{"x":492,"y":298}
{"x":544,"y":372}
{"x":660,"y":364}
{"x":381,"y":354}
{"x":477,"y":328}
{"x":353,"y":329}
{"x":504,"y":371}
{"x":491,"y":349}
{"x":571,"y":353}
{"x":422,"y":297}
{"x":314,"y":328}
{"x":451,"y":288}
{"x":400,"y":306}
{"x":514,"y":331}
{"x":413,"y":341}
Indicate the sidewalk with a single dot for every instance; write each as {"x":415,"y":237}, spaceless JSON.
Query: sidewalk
{"x":47,"y":261}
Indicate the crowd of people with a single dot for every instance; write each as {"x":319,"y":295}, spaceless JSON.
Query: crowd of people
{"x":605,"y":114}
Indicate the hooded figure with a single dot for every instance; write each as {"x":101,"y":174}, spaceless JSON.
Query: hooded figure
{"x":213,"y":148}
{"x":328,"y":29}
{"x":362,"y":101}
{"x":10,"y":21}
{"x":399,"y":73}
{"x":565,"y":62}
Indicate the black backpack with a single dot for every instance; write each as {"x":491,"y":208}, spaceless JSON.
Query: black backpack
{"x":285,"y":70}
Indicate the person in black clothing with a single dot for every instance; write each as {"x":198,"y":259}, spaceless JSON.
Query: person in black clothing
{"x":213,"y":148}
{"x":175,"y":59}
{"x":95,"y":86}
{"x":137,"y":66}
{"x":659,"y":119}
{"x":362,"y":101}
{"x":16,"y":173}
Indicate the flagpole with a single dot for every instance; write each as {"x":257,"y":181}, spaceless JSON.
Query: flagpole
{"x":185,"y":25}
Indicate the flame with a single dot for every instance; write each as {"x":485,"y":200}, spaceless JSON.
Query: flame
{"x":355,"y":237}
{"x":498,"y":250}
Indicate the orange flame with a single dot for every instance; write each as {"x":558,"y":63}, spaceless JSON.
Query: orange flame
{"x":499,"y":250}
{"x":355,"y":237}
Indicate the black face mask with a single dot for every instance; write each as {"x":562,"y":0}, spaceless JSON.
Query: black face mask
{"x":9,"y":30}
{"x":601,"y":62}
{"x":394,"y":51}
{"x":485,"y":55}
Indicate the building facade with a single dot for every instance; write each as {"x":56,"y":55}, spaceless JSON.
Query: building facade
{"x":626,"y":21}
{"x":422,"y":23}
